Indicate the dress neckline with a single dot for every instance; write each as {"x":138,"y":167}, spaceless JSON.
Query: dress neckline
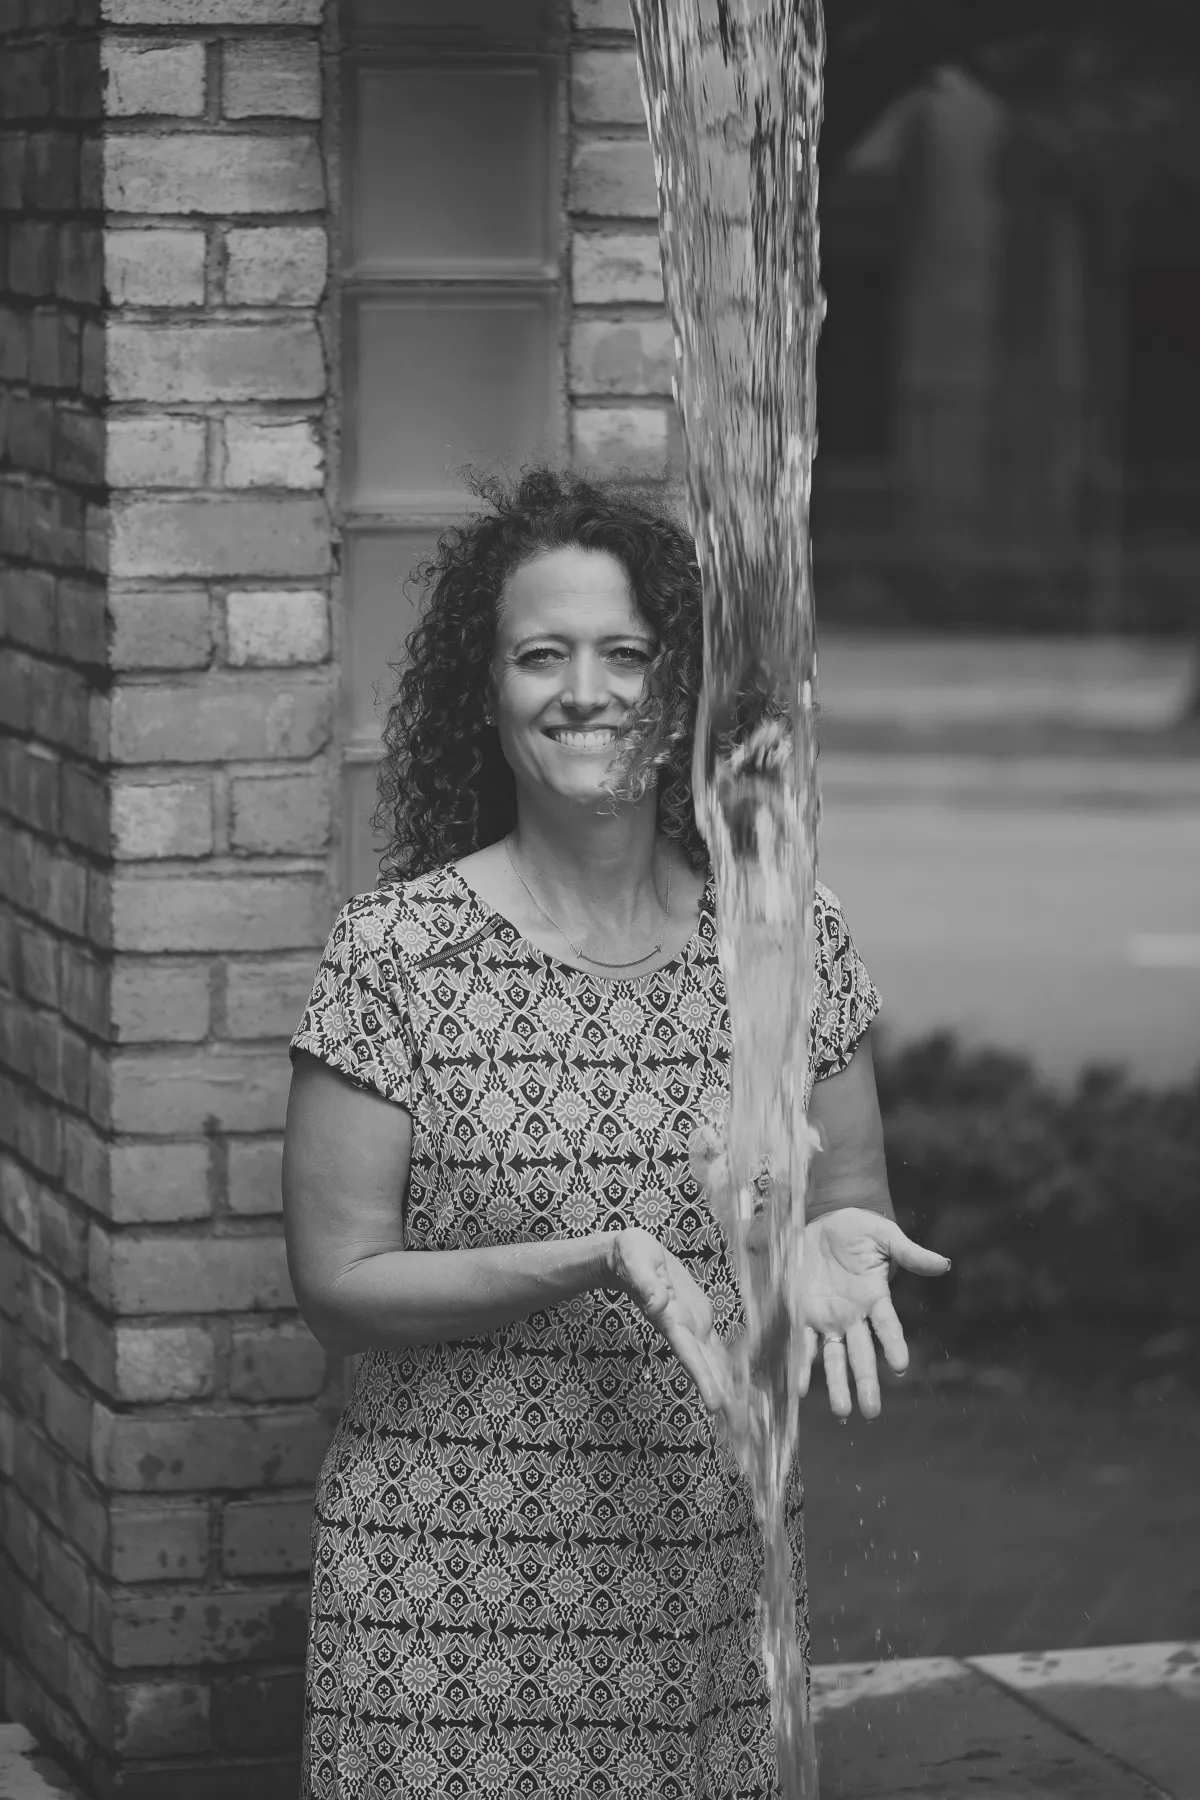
{"x":517,"y":938}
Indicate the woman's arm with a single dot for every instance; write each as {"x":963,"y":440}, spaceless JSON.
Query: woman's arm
{"x":346,"y":1158}
{"x":346,"y":1155}
{"x":850,"y":1169}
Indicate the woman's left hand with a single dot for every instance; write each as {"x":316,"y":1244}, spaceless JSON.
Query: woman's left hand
{"x":844,"y":1283}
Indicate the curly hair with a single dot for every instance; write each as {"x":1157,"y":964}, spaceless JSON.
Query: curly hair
{"x":445,"y":788}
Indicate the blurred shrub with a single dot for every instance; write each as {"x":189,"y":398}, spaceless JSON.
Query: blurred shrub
{"x":1083,"y":1203}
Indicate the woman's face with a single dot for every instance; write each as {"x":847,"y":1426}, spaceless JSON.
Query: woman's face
{"x":572,"y":653}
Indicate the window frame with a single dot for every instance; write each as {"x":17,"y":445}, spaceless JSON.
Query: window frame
{"x":435,"y":44}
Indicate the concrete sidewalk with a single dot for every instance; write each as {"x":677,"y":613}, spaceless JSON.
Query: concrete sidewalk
{"x":1119,"y":1724}
{"x":1107,"y":1724}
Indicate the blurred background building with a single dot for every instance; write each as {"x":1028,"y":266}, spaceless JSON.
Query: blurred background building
{"x":273,"y":274}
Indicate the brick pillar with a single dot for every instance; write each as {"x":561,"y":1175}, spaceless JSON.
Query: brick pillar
{"x":168,"y":810}
{"x":621,"y":350}
{"x":55,"y":860}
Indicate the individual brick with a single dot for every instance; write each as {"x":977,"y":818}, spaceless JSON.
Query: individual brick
{"x":275,"y":1362}
{"x":604,"y":88}
{"x":45,"y":1311}
{"x":85,"y":1164}
{"x":89,"y":1688}
{"x":133,"y":1276}
{"x":81,"y":623}
{"x":185,"y":1092}
{"x":66,"y":1415}
{"x":150,"y":77}
{"x":231,"y":912}
{"x":159,"y":1183}
{"x":285,"y":537}
{"x":43,"y":1640}
{"x":163,"y":450}
{"x":165,"y":1362}
{"x":182,"y":13}
{"x":613,"y":178}
{"x":255,"y":1176}
{"x":163,"y":1542}
{"x":22,"y":1534}
{"x":66,"y":1583}
{"x":166,"y":630}
{"x":162,"y":818}
{"x":155,"y":267}
{"x":157,"y":1001}
{"x":601,"y":15}
{"x":54,"y":349}
{"x":276,"y":265}
{"x":14,"y":344}
{"x":616,"y":437}
{"x":91,"y":1347}
{"x":51,"y":170}
{"x":277,"y":627}
{"x":79,"y":446}
{"x":236,"y":717}
{"x":132,"y":1453}
{"x":31,"y":612}
{"x":32,"y":248}
{"x":80,"y":272}
{"x":258,"y":1713}
{"x":271,"y":78}
{"x":272,"y":453}
{"x":264,"y":999}
{"x":621,"y":356}
{"x":85,"y":990}
{"x":198,"y":172}
{"x":63,"y":1231}
{"x":38,"y":965}
{"x":174,"y":363}
{"x":20,"y":1204}
{"x":267,"y":1536}
{"x":184,"y":1630}
{"x":161,"y":1719}
{"x":31,"y":433}
{"x":32,"y":784}
{"x":276,"y":815}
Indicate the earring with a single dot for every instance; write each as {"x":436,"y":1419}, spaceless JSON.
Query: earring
{"x":488,"y":719}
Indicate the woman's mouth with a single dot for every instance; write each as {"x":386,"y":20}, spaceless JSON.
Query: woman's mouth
{"x":598,"y":738}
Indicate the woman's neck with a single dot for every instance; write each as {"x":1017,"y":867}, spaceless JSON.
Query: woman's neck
{"x":611,"y":859}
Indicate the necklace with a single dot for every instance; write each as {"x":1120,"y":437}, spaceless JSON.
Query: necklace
{"x":582,"y":955}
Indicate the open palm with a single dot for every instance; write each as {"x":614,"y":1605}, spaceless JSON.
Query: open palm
{"x":844,"y":1291}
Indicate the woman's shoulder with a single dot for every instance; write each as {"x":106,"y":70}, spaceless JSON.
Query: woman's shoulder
{"x":827,"y":910}
{"x":408,"y":921}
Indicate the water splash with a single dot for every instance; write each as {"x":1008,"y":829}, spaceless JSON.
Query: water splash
{"x":733,"y":93}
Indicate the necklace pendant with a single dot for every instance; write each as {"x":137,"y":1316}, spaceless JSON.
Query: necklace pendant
{"x":631,"y":964}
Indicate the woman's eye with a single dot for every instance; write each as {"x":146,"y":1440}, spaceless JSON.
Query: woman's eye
{"x":539,"y":658}
{"x":632,"y":655}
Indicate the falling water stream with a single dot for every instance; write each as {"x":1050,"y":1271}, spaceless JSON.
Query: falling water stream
{"x":732,"y":90}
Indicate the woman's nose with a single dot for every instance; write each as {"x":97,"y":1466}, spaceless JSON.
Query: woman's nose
{"x":586,"y":687}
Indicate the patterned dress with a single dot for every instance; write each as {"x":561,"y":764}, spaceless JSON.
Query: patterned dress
{"x":534,"y":1563}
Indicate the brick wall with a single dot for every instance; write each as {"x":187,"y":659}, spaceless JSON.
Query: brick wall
{"x":54,"y":862}
{"x":168,"y":798}
{"x":168,"y":788}
{"x":621,"y":352}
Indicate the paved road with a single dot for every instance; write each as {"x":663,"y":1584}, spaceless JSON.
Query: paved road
{"x":1055,"y":914}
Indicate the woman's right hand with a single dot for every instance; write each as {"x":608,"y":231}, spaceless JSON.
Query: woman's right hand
{"x":677,"y":1306}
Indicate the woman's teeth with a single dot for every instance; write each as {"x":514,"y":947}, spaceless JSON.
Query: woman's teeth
{"x":585,"y":740}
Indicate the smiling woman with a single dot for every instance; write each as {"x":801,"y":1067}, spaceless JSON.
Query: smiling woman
{"x":534,"y":1560}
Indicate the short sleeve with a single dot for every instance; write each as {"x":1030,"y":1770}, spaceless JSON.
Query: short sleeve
{"x":846,"y":999}
{"x":357,"y":1018}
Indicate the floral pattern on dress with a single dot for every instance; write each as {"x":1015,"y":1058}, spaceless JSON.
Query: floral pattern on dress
{"x":534,"y":1562}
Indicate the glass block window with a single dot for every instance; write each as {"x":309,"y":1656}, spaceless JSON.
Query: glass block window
{"x":450,"y":288}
